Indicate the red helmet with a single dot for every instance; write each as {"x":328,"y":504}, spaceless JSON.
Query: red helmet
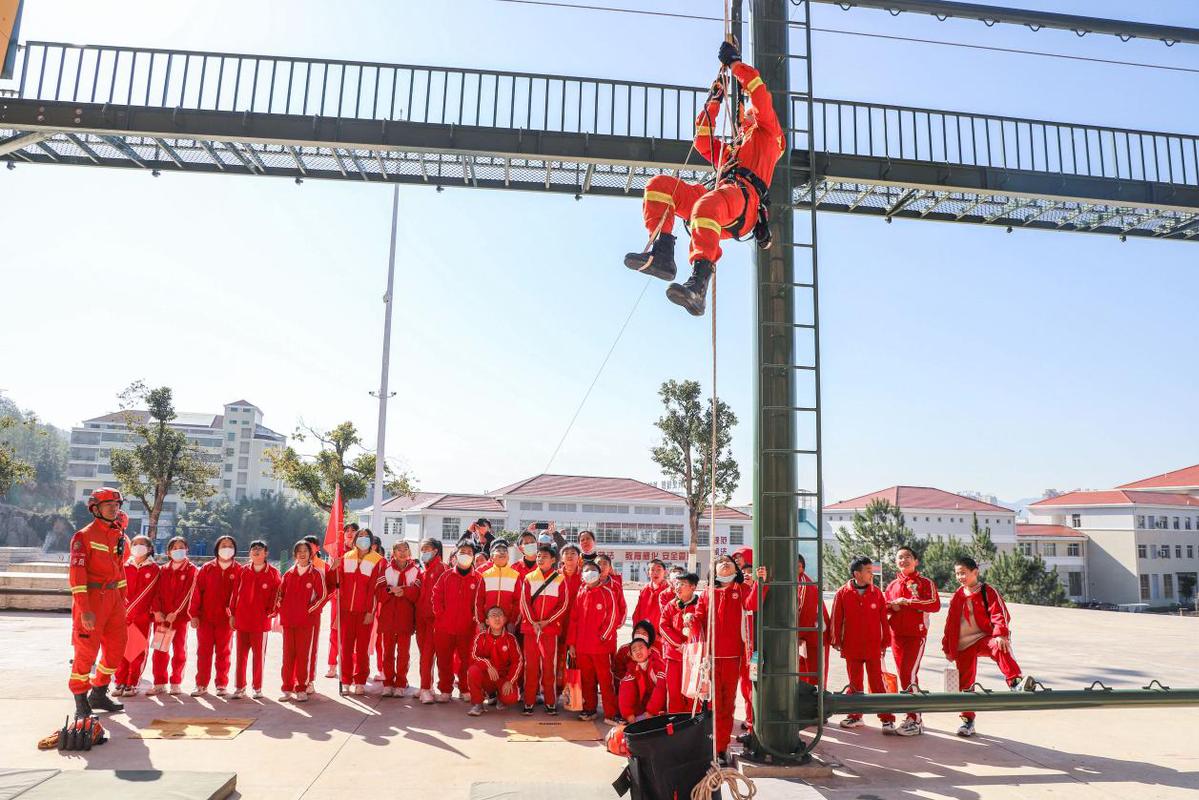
{"x":103,"y":495}
{"x":616,"y":743}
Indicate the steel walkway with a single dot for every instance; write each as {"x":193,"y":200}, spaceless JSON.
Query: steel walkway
{"x":162,"y":110}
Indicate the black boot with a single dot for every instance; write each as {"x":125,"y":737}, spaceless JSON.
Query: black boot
{"x":83,"y":709}
{"x":100,"y":701}
{"x":659,"y":261}
{"x":693,"y":294}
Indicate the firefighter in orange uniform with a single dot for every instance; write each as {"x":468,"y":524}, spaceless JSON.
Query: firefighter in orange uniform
{"x":97,"y":579}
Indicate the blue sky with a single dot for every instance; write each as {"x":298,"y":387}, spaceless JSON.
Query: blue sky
{"x":953,"y":356}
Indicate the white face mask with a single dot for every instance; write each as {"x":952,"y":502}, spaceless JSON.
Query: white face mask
{"x":529,"y":549}
{"x":226,"y":553}
{"x":178,"y":555}
{"x":363,"y":542}
{"x":590,"y":576}
{"x":725,"y":578}
{"x":465,"y":559}
{"x":139,"y":550}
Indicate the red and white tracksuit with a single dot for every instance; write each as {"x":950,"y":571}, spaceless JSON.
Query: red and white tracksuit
{"x":810,"y":604}
{"x":176,"y":584}
{"x":541,"y":649}
{"x":993,"y":619}
{"x":399,"y":592}
{"x":677,"y":624}
{"x":909,"y":626}
{"x":455,"y":598}
{"x":301,"y":595}
{"x":649,"y":607}
{"x":96,"y":574}
{"x":356,"y":577}
{"x":574,"y":580}
{"x":254,"y":602}
{"x":323,"y":568}
{"x":713,"y":212}
{"x":594,"y":620}
{"x":501,"y":653}
{"x":210,"y":608}
{"x":141,"y":583}
{"x":500,"y":587}
{"x":425,"y":642}
{"x":732,"y":602}
{"x":643,"y":687}
{"x":859,"y":629}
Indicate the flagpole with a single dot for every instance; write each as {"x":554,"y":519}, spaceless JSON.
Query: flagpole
{"x":383,"y":395}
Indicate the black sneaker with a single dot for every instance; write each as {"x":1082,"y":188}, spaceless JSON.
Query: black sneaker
{"x":551,"y":711}
{"x":527,"y":711}
{"x":587,"y":716}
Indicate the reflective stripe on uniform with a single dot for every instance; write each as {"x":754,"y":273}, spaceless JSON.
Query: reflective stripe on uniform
{"x":703,"y":130}
{"x":78,"y":589}
{"x":105,"y":670}
{"x":705,"y":222}
{"x":121,"y":584}
{"x":98,"y":546}
{"x":754,"y":84}
{"x":76,"y":676}
{"x":659,"y":197}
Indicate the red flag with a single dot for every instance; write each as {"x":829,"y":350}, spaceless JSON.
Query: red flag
{"x":334,"y":541}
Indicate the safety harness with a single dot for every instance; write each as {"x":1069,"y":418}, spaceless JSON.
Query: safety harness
{"x":747,"y":181}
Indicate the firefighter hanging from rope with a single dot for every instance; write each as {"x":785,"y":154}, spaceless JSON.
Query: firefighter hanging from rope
{"x":739,"y":202}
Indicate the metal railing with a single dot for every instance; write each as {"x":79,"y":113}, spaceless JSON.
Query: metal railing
{"x":257,"y":84}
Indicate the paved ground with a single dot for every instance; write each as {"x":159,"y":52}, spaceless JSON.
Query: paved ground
{"x":332,"y":747}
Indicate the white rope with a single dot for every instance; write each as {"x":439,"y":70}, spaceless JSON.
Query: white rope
{"x":728,"y":777}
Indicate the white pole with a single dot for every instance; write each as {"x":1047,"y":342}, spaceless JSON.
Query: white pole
{"x":383,"y":396}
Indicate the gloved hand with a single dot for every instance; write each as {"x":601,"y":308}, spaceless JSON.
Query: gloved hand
{"x":728,"y":54}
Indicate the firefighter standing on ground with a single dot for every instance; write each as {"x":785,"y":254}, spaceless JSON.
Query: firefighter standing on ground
{"x":97,"y":579}
{"x":732,"y":209}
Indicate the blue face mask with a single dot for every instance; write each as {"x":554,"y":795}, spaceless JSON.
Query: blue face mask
{"x":363,"y":542}
{"x":426,"y":556}
{"x":178,"y":555}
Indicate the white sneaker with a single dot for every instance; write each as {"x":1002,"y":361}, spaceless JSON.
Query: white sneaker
{"x":888,"y":729}
{"x":131,"y":691}
{"x":441,"y":698}
{"x":426,"y":696}
{"x":257,"y":694}
{"x":387,"y":692}
{"x":175,"y":689}
{"x":966,"y":729}
{"x":852,"y":722}
{"x":222,"y":691}
{"x":238,"y":694}
{"x":157,"y":688}
{"x":910,"y":727}
{"x":199,"y":691}
{"x":378,"y":677}
{"x":332,"y":673}
{"x":286,"y":697}
{"x":475,"y":711}
{"x":359,"y":689}
{"x":311,"y":688}
{"x":301,"y":697}
{"x":409,"y":691}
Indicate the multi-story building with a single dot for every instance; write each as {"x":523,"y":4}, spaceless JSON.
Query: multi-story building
{"x":1063,"y":549}
{"x":236,"y":440}
{"x":632,"y":521}
{"x":929,"y":513}
{"x":1143,"y":537}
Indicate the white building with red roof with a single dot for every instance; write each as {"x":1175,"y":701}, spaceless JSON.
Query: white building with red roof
{"x":1143,"y":536}
{"x":1063,"y":549}
{"x":633,"y":521}
{"x":929,"y":513}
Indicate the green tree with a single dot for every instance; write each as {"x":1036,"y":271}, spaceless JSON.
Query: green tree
{"x":162,"y":460}
{"x":27,"y":442}
{"x":336,"y":464}
{"x":278,"y":520}
{"x":937,"y":562}
{"x":207,"y":520}
{"x":982,"y":548}
{"x":14,"y":470}
{"x":1021,"y":579}
{"x":80,"y":516}
{"x":878,"y":531}
{"x":686,"y":454}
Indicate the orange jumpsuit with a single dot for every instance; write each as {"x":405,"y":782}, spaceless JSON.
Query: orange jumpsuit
{"x":713,"y":213}
{"x":97,"y":578}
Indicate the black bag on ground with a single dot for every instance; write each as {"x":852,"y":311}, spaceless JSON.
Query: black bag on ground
{"x":668,"y":756}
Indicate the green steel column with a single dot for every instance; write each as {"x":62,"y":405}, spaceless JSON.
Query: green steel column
{"x":776,"y":512}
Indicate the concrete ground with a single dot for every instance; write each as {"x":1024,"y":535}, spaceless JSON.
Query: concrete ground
{"x":331,"y":747}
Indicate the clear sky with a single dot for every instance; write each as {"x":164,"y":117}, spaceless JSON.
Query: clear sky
{"x":954,"y":356}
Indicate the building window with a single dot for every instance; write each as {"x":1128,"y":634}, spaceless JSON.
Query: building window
{"x":1176,"y":523}
{"x":245,"y":433}
{"x":651,"y":511}
{"x":1075,"y":584}
{"x":1161,"y":523}
{"x":639,"y":533}
{"x":245,"y":448}
{"x":1140,"y":520}
{"x":1190,"y":551}
{"x":228,"y":484}
{"x":1025,"y":548}
{"x":1178,"y":551}
{"x":228,"y":467}
{"x":672,"y":511}
{"x":1076,"y":520}
{"x":1167,"y":586}
{"x":1164,"y":551}
{"x":243,"y":463}
{"x":1049,"y":549}
{"x":241,"y":494}
{"x":1188,"y":523}
{"x":1074,"y":549}
{"x":526,"y":506}
{"x":228,"y":451}
{"x":1142,"y":551}
{"x":568,"y":507}
{"x":737,"y":534}
{"x":1144,"y":587}
{"x":241,"y":479}
{"x":393,"y":526}
{"x":451,"y":528}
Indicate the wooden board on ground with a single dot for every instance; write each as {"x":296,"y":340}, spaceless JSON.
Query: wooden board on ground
{"x":194,"y":728}
{"x":540,"y":791}
{"x":551,"y":730}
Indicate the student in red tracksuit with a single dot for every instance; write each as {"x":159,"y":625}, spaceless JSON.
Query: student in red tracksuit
{"x":620,"y":661}
{"x":356,"y":576}
{"x":978,"y":624}
{"x":526,"y":548}
{"x":302,"y":593}
{"x":543,"y":603}
{"x":455,"y":621}
{"x":809,"y":608}
{"x":859,"y":632}
{"x":254,"y":602}
{"x":591,"y":641}
{"x":141,"y":578}
{"x":432,"y":567}
{"x":500,"y":586}
{"x":570,"y":567}
{"x":733,"y":598}
{"x":495,"y":665}
{"x":643,"y":683}
{"x":211,"y":617}
{"x":398,"y":595}
{"x":911,"y":598}
{"x":744,"y":559}
{"x":172,"y":610}
{"x":678,"y":622}
{"x":649,"y":605}
{"x":349,"y":533}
